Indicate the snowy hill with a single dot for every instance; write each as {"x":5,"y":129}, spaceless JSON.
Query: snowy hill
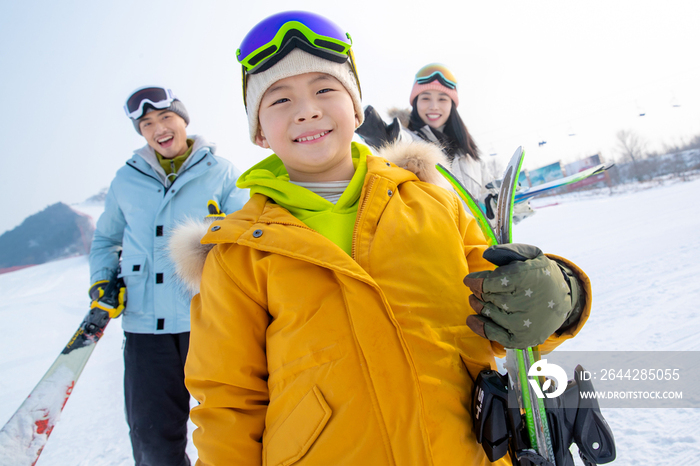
{"x":57,"y":232}
{"x":40,"y":309}
{"x":641,"y":250}
{"x":54,"y":233}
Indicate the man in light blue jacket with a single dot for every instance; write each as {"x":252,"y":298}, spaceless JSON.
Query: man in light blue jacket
{"x":170,"y":179}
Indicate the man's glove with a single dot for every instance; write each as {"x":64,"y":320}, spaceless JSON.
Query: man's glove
{"x":214,"y":211}
{"x":525,"y":300}
{"x":375,"y":132}
{"x":114,"y":307}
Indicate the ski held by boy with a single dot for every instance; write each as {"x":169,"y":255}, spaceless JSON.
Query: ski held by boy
{"x":508,"y":417}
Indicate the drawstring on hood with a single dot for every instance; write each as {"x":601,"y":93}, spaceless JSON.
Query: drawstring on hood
{"x":172,"y":166}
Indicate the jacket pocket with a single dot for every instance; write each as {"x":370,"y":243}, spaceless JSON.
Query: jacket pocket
{"x":298,"y":431}
{"x":289,"y":371}
{"x":133,"y":270}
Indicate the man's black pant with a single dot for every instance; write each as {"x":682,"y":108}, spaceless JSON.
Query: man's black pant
{"x":157,"y":402}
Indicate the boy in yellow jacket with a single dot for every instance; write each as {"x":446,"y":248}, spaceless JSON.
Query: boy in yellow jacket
{"x":330,"y":324}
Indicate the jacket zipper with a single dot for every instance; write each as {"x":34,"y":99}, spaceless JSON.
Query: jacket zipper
{"x":292,"y":225}
{"x":359,"y":215}
{"x":178,"y":175}
{"x":173,"y":173}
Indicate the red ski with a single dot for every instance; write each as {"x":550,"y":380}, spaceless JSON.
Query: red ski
{"x":24,"y":436}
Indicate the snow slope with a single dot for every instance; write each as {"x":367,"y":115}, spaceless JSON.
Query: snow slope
{"x":640,"y":248}
{"x":40,"y":309}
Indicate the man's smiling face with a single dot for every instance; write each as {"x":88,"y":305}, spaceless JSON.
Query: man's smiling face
{"x":165,"y":132}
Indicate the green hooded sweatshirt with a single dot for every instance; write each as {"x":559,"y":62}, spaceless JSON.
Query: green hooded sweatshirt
{"x":334,"y":221}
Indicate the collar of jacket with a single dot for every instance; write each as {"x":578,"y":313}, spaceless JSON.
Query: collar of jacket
{"x":395,"y":164}
{"x":270,"y":178}
{"x":200,"y":148}
{"x":270,"y":212}
{"x":261,"y":223}
{"x":427,"y":133}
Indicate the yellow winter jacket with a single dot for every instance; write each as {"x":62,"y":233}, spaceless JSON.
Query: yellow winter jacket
{"x":301,"y":354}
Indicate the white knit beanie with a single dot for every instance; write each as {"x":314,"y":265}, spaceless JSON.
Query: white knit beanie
{"x":295,"y":63}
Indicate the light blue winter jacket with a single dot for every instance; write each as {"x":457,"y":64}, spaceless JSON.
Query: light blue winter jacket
{"x":141,"y":208}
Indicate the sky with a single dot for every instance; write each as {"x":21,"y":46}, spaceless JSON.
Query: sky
{"x":527,"y":71}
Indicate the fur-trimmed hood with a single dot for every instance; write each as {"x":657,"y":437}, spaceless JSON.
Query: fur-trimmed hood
{"x":189,"y":254}
{"x":402,"y":114}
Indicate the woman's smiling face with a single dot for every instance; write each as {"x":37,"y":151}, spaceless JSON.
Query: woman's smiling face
{"x":434,"y":108}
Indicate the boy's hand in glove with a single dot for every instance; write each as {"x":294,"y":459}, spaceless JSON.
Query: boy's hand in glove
{"x":525,"y":300}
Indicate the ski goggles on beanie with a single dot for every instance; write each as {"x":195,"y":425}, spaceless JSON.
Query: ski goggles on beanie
{"x":274,"y":37}
{"x":158,"y":97}
{"x":435,"y":77}
{"x":436,"y":72}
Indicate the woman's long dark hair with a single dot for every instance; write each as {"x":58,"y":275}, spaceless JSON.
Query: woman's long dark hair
{"x":455,"y":139}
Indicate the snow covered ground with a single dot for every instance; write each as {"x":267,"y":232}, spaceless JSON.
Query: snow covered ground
{"x":40,"y":309}
{"x":641,"y":249}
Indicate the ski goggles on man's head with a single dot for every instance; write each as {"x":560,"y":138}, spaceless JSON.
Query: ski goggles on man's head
{"x":436,"y":72}
{"x":274,"y":37}
{"x":158,"y":97}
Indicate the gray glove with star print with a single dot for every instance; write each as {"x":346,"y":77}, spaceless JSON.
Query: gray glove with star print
{"x":525,"y":300}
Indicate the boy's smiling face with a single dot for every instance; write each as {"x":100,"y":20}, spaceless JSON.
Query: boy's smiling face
{"x":308,"y":120}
